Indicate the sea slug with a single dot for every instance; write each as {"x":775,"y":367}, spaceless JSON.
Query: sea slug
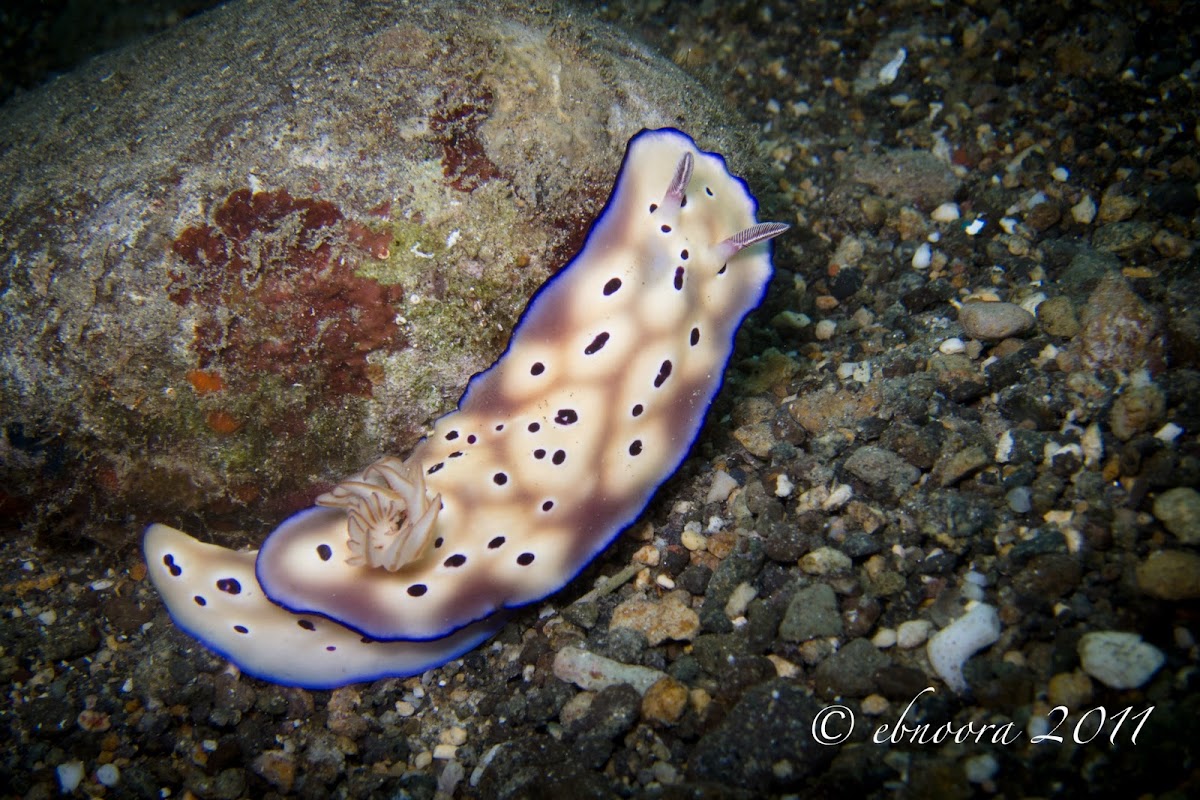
{"x":552,"y":452}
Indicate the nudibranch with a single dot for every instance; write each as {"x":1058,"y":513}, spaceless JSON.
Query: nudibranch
{"x":552,"y":452}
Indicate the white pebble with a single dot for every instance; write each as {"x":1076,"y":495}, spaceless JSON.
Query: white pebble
{"x":884,"y":638}
{"x":1118,"y":659}
{"x":108,"y":775}
{"x":950,"y":647}
{"x":1060,"y":174}
{"x":1007,"y":224}
{"x":952,"y":346}
{"x":48,"y":617}
{"x":739,"y":600}
{"x":1169,"y":432}
{"x":889,"y":71}
{"x":69,"y":775}
{"x":846,"y":369}
{"x":981,"y":768}
{"x":783,"y":486}
{"x":825,"y":329}
{"x":1084,"y":211}
{"x":975,"y":227}
{"x":913,"y":633}
{"x":923,"y":257}
{"x":721,"y":487}
{"x":594,"y":672}
{"x":946,"y":212}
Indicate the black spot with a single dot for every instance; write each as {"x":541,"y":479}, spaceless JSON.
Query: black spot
{"x":683,"y":202}
{"x":596,"y":344}
{"x":546,"y":506}
{"x":537,"y":369}
{"x":500,"y":427}
{"x":638,"y":409}
{"x":438,"y":542}
{"x":635,"y":447}
{"x":664,"y":372}
{"x":695,"y":338}
{"x":499,"y":479}
{"x":494,"y":543}
{"x":683,"y":254}
{"x":534,"y":427}
{"x":666,"y":228}
{"x":229,"y":586}
{"x":172,"y":567}
{"x":539,"y":453}
{"x":307,"y":624}
{"x":200,"y":601}
{"x":324,"y":552}
{"x":559,"y":456}
{"x":708,"y":191}
{"x":434,"y":468}
{"x":456,"y":454}
{"x":241,"y":629}
{"x":612,"y":286}
{"x":456,"y":560}
{"x":417,"y":589}
{"x":366,"y":640}
{"x":721,"y":271}
{"x":678,"y":278}
{"x":566,"y":416}
{"x":653,"y":207}
{"x":525,"y":559}
{"x":471,"y":439}
{"x":330,"y":648}
{"x":452,"y":435}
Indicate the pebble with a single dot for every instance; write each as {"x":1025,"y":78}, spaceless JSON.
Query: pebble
{"x":850,"y":671}
{"x":756,"y":438}
{"x":1084,"y":211}
{"x":813,"y":612}
{"x":881,"y":468}
{"x":946,"y":212}
{"x":593,"y":672}
{"x":913,"y":633}
{"x":1170,"y":575}
{"x":739,"y":600}
{"x":658,"y":620}
{"x":1136,"y":411}
{"x":1119,"y":659}
{"x":1119,"y":330}
{"x":884,"y":638}
{"x":824,"y":330}
{"x":1070,"y":689}
{"x":692,"y":539}
{"x":721,"y":487}
{"x":994,"y":321}
{"x":69,"y":775}
{"x":277,"y":768}
{"x":922,"y":257}
{"x":950,"y":647}
{"x":952,"y":346}
{"x":875,"y":704}
{"x":108,"y":775}
{"x":665,"y":701}
{"x":981,"y":768}
{"x":1056,"y":316}
{"x":1179,"y":510}
{"x":824,"y":561}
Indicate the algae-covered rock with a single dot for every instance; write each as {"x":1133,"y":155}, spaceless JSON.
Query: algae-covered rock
{"x":248,"y":257}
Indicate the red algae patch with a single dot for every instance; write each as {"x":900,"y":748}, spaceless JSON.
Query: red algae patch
{"x":276,"y":295}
